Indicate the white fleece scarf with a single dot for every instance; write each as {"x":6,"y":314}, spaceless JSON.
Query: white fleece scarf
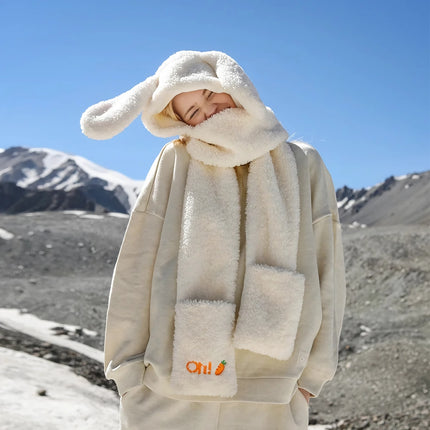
{"x":206,"y":332}
{"x":206,"y":327}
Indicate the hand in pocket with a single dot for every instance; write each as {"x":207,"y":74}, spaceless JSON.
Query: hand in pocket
{"x":306,"y":394}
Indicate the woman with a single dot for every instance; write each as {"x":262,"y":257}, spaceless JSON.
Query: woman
{"x":228,"y":294}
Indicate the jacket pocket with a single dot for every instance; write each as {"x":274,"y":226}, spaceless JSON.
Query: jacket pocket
{"x":203,"y":352}
{"x":270,"y":309}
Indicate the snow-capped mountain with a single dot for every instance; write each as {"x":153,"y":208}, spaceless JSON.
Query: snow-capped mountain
{"x":44,"y":169}
{"x":398,"y":200}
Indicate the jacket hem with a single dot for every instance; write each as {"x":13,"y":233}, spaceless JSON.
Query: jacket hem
{"x":251,"y":390}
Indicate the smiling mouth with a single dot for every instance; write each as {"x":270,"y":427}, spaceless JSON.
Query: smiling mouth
{"x":217,"y":110}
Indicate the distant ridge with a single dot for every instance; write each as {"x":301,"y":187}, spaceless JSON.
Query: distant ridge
{"x":41,"y":179}
{"x":69,"y":181}
{"x":14,"y":199}
{"x":401,"y":200}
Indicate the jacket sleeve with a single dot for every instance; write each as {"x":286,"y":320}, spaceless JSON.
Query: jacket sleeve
{"x":322,"y":362}
{"x":127,"y":323}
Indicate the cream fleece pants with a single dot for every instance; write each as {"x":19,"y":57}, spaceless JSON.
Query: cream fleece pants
{"x":143,"y":409}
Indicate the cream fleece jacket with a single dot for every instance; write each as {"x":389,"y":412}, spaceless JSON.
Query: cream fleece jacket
{"x":140,"y":320}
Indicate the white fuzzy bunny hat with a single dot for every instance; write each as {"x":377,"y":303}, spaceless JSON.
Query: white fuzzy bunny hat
{"x":181,"y":72}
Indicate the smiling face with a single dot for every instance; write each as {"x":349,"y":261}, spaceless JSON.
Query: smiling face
{"x":194,"y":107}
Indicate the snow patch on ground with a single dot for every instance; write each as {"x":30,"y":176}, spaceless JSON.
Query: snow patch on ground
{"x":118,"y":215}
{"x":33,"y":213}
{"x":356,"y":224}
{"x":92,"y":216}
{"x":84,"y":214}
{"x":38,"y":394}
{"x":45,"y":330}
{"x":6,"y":235}
{"x":364,"y":330}
{"x":74,"y":212}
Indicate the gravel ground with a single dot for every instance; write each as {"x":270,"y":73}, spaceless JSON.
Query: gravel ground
{"x":58,"y":267}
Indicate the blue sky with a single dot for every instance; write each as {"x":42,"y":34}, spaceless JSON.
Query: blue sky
{"x":349,"y":77}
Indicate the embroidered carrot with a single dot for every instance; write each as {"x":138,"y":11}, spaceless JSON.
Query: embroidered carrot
{"x":220,"y":368}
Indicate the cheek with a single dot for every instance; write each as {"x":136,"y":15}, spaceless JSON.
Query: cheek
{"x":198,"y":119}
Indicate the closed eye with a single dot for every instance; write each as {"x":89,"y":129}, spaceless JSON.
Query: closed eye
{"x":191,"y":117}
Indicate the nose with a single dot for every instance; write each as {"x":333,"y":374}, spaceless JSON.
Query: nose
{"x":210,"y":110}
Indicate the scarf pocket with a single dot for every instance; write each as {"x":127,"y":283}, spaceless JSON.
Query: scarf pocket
{"x":270,"y":311}
{"x":203,"y":352}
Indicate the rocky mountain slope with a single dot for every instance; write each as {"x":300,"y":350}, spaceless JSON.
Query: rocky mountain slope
{"x":401,"y":200}
{"x":43,"y":170}
{"x":93,"y":198}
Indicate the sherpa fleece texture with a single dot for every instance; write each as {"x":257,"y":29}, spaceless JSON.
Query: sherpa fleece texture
{"x":141,"y":312}
{"x":203,"y":341}
{"x":210,"y":227}
{"x":270,"y":311}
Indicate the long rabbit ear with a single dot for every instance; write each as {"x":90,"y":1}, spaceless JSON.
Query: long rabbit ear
{"x":108,"y":118}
